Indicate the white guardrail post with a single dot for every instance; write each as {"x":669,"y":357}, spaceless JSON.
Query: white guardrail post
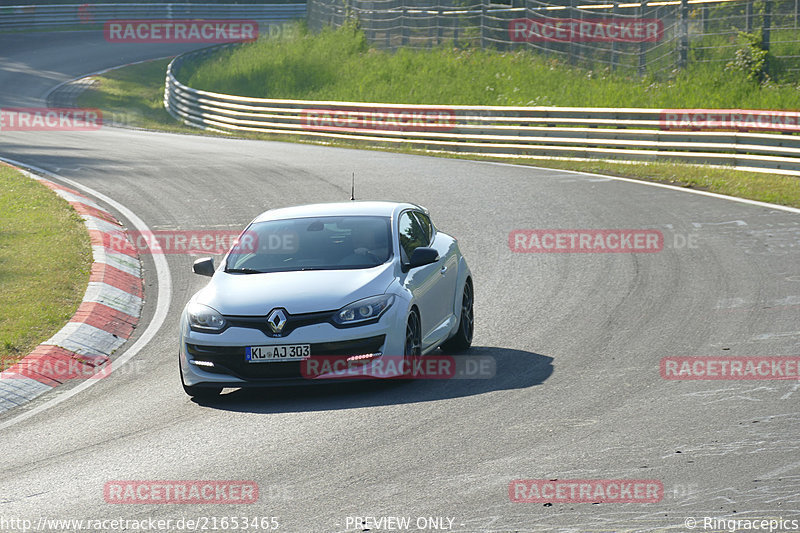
{"x":631,"y":135}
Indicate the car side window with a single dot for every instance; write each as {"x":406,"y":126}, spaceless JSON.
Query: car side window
{"x":425,"y":222}
{"x":412,"y":235}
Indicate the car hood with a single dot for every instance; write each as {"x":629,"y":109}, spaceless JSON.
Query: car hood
{"x":298,"y":292}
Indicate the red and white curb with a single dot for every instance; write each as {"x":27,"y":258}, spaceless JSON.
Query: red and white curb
{"x":103,"y":322}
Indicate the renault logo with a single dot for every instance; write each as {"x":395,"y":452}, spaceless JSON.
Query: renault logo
{"x":276,"y":320}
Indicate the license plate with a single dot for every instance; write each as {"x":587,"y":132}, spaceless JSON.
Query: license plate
{"x":281,"y":352}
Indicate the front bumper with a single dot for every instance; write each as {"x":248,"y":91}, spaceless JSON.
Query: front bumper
{"x":219,"y":359}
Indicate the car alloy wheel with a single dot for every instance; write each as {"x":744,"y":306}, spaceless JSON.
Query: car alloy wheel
{"x":413,"y":350}
{"x":467,"y":317}
{"x":466,"y":323}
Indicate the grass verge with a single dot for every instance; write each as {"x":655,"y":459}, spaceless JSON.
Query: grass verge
{"x":339,"y":65}
{"x":133,"y":96}
{"x":45,"y":260}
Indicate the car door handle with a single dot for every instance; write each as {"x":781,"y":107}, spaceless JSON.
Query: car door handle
{"x":443,"y":270}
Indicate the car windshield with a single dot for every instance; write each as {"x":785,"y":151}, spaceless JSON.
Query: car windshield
{"x":317,"y":243}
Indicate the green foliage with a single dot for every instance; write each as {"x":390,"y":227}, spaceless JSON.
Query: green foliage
{"x":751,"y":58}
{"x":295,"y":62}
{"x":132,"y":96}
{"x":339,"y":65}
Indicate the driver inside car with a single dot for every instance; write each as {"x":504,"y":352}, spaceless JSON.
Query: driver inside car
{"x":368,"y":247}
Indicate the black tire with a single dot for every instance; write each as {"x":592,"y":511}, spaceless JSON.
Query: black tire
{"x":197,"y":392}
{"x":462,"y":340}
{"x":413,"y":347}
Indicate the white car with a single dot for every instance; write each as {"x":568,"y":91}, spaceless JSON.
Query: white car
{"x":359,"y":280}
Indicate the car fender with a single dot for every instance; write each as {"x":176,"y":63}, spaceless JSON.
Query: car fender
{"x":404,"y":297}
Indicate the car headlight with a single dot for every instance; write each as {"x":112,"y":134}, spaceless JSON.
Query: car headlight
{"x":363,"y":310}
{"x":205,"y":318}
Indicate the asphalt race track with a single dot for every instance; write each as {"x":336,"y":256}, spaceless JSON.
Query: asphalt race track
{"x":577,"y":339}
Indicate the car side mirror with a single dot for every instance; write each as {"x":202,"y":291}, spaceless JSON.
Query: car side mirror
{"x":423,"y":256}
{"x":204,"y":266}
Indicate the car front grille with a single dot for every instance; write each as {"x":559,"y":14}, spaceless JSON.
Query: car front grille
{"x":230,"y":360}
{"x":292,"y":322}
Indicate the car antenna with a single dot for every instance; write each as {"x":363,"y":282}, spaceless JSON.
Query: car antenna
{"x":353,"y":188}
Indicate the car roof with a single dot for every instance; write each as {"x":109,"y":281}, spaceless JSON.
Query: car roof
{"x":352,"y":208}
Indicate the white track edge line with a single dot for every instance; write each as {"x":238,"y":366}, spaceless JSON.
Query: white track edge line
{"x":788,"y":209}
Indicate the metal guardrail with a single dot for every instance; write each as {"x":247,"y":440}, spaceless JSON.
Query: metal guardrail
{"x":15,"y":18}
{"x":632,"y":135}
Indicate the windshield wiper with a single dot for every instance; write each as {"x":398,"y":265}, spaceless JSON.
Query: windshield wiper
{"x":243,"y":271}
